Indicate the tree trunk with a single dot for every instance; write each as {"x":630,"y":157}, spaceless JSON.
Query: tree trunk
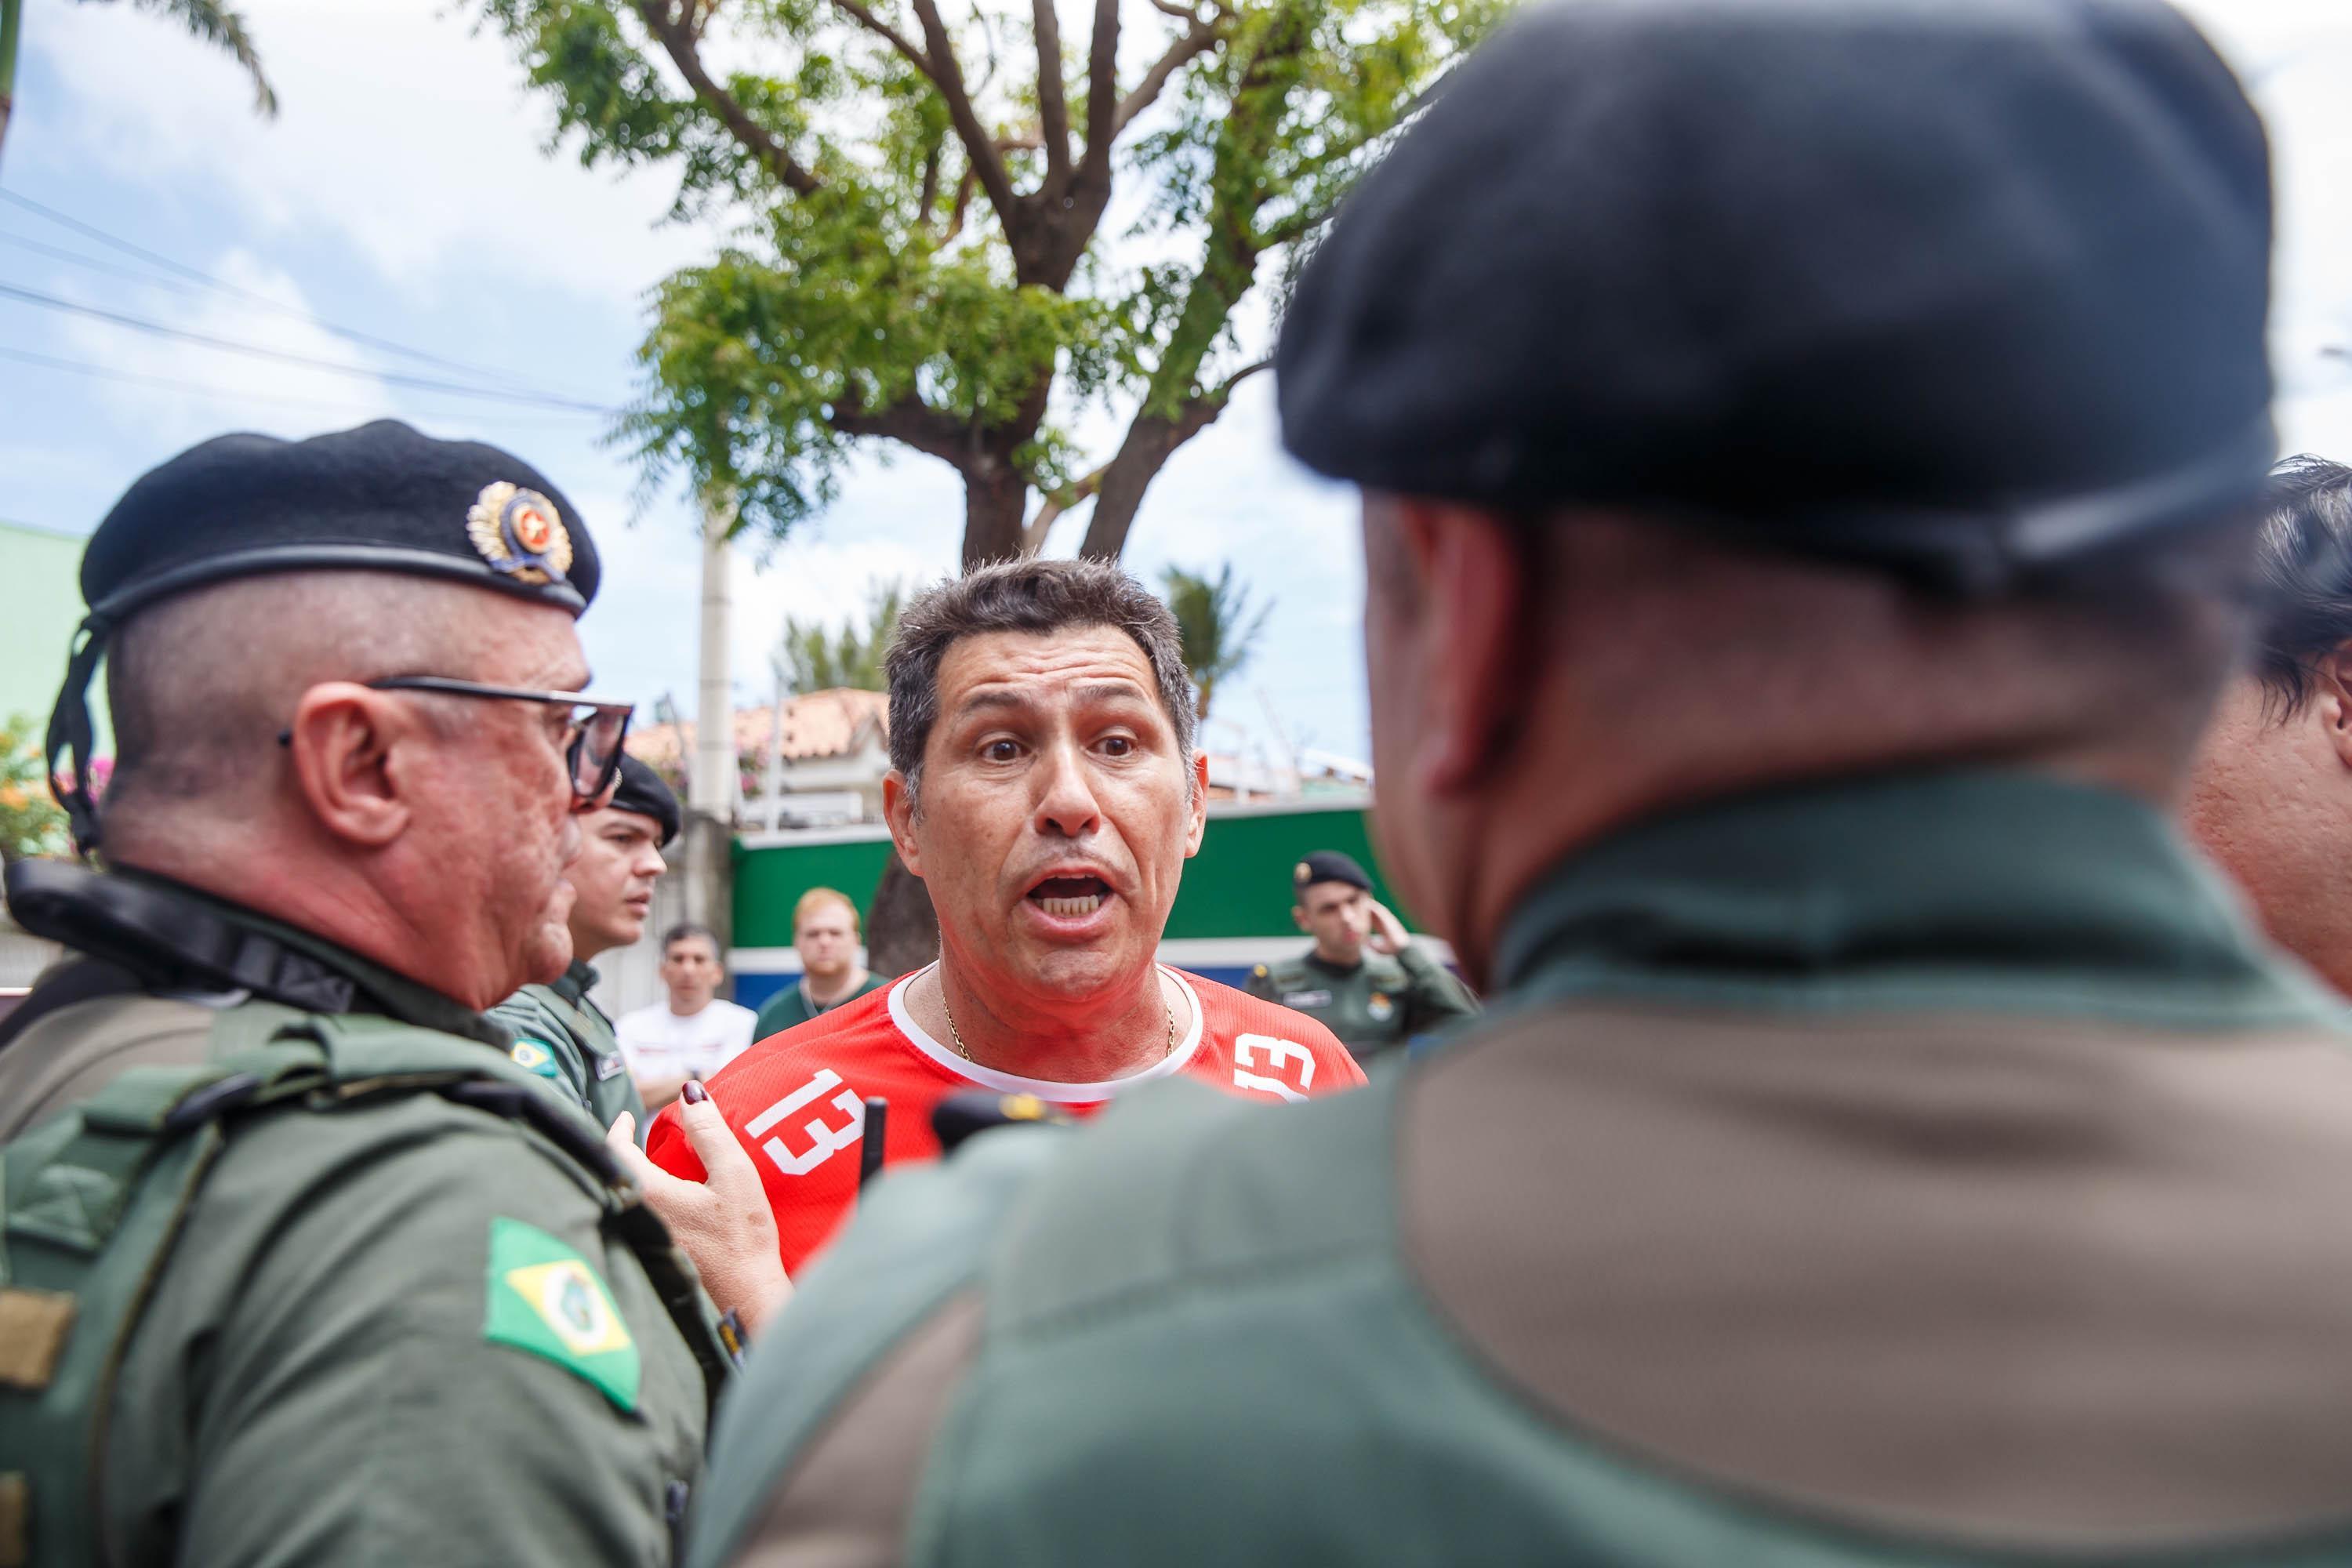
{"x":902,"y":930}
{"x":1150,"y":442}
{"x":996,"y":499}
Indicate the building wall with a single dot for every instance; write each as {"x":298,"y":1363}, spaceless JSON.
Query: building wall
{"x":41,"y":570}
{"x":1231,"y":910}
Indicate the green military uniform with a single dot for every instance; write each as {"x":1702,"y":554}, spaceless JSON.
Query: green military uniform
{"x":1921,"y":1171}
{"x":563,"y":1038}
{"x":296,"y":1263}
{"x":410,"y":1314}
{"x":1374,"y":1006}
{"x":794,"y":1006}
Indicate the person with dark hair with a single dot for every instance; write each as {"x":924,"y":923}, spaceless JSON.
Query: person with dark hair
{"x":1045,"y":785}
{"x":691,"y":1032}
{"x":1806,"y":453}
{"x":560,"y":1035}
{"x":297,"y":1264}
{"x":2271,"y":797}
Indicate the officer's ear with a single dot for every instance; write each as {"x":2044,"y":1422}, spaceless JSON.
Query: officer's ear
{"x":1298,"y":915}
{"x":1474,"y":583}
{"x":354,"y":763}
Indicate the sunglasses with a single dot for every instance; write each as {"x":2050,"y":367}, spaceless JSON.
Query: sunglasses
{"x":595,"y":729}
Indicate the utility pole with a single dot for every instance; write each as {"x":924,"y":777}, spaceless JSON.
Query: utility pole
{"x":710,"y":782}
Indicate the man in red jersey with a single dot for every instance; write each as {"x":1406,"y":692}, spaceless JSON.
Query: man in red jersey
{"x":1045,"y":786}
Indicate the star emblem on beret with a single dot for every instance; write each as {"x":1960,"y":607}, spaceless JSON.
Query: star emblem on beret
{"x":520,"y":533}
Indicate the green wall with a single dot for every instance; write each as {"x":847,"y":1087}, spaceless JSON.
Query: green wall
{"x":44,"y":605}
{"x":1239,"y":884}
{"x":768,"y":882}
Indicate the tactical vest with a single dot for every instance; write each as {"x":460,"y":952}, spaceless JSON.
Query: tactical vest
{"x":93,"y":1200}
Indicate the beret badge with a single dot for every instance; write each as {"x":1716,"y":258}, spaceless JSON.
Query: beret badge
{"x":520,"y":533}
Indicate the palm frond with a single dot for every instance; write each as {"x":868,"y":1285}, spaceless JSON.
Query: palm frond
{"x":223,"y":28}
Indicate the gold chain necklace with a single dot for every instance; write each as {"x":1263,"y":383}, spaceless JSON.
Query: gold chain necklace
{"x":965,"y":1051}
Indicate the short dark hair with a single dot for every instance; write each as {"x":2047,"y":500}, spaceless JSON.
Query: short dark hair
{"x":685,"y":930}
{"x":2303,"y":561}
{"x":1026,"y":596}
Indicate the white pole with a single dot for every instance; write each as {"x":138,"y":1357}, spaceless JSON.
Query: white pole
{"x":710,"y":787}
{"x":712,"y":784}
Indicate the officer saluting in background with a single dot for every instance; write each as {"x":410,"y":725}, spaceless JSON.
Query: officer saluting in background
{"x":298,"y":1266}
{"x":1363,"y":980}
{"x":559,"y":1034}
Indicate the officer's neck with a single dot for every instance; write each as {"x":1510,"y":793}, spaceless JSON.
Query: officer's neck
{"x":324,"y":895}
{"x":1350,"y":961}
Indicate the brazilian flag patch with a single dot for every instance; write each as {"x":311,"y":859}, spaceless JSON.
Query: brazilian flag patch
{"x":536,"y":1058}
{"x":547,"y":1300}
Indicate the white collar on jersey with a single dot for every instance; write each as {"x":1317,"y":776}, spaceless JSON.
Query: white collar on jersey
{"x":1173,"y":1062}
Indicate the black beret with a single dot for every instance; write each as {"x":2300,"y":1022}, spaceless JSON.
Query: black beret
{"x":1328,"y":866}
{"x":642,"y":791}
{"x":1960,"y":289}
{"x":382,"y":498}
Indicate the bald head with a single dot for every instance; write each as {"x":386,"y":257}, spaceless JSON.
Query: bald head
{"x":201,"y":686}
{"x":1537,"y":685}
{"x":427,"y":830}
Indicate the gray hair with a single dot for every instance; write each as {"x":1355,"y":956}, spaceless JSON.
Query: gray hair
{"x":1027,"y":596}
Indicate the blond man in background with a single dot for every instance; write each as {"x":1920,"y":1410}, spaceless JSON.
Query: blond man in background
{"x":827,"y":936}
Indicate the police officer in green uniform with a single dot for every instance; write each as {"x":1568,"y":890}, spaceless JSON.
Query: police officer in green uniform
{"x":559,"y":1034}
{"x":1808,"y":454}
{"x":1364,"y":980}
{"x":299,"y":1266}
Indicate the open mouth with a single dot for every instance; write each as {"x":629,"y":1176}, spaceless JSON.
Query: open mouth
{"x":1070,"y":897}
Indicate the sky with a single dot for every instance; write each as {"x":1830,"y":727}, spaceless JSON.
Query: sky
{"x":408,"y":190}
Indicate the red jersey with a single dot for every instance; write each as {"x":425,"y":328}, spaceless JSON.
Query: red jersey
{"x":797,"y":1100}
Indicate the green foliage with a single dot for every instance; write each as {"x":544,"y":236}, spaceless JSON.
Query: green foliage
{"x":30,"y":821}
{"x":913,"y":211}
{"x":809,"y":659}
{"x":1214,"y":623}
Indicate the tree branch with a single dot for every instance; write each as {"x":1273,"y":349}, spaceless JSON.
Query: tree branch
{"x":677,"y":37}
{"x":1102,"y":95}
{"x":912,"y":421}
{"x":1221,"y":393}
{"x":881,"y":29}
{"x":987,"y":164}
{"x":1197,"y":40}
{"x":1049,"y":511}
{"x":1052,"y":109}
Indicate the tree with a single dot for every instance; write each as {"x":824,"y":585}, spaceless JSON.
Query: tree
{"x":1214,"y":624}
{"x":213,"y":23}
{"x":809,"y":659}
{"x":31,"y":822}
{"x":918,"y":205}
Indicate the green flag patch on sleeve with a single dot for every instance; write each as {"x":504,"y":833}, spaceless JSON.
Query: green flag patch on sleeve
{"x":535,"y":1056}
{"x":546,"y":1299}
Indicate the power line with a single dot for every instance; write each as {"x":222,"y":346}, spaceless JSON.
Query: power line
{"x":333,"y":367}
{"x":259,"y":300}
{"x":200,"y":389}
{"x":62,"y":253}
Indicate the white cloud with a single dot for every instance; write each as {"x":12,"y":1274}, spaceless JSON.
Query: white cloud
{"x":254,"y":392}
{"x":400,"y":128}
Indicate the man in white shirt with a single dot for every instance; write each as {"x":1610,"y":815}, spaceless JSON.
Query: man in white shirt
{"x":692,"y":1035}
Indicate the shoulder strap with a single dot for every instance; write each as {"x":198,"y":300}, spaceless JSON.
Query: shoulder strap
{"x":93,"y":1200}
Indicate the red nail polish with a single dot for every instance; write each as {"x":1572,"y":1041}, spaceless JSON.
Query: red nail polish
{"x":694,"y":1093}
